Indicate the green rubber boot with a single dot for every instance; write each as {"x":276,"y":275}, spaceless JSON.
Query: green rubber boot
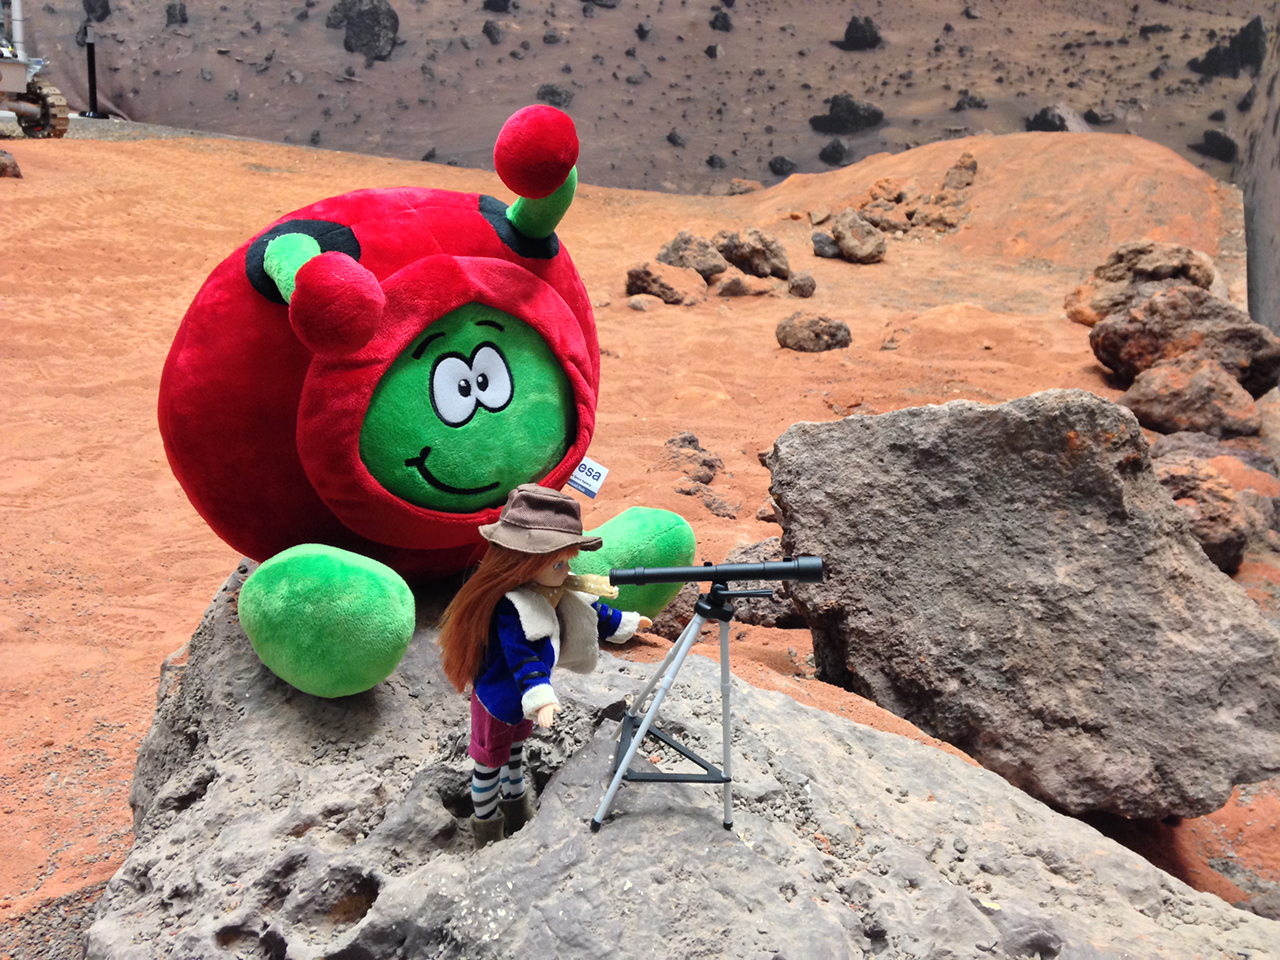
{"x":641,"y":537}
{"x":328,"y":621}
{"x":519,"y":811}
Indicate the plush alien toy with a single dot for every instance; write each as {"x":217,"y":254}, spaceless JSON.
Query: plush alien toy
{"x":354,"y":392}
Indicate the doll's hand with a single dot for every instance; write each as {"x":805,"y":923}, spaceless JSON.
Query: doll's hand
{"x":645,"y":623}
{"x":546,"y":714}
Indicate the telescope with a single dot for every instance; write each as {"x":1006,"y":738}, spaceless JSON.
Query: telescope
{"x":800,"y":569}
{"x":715,"y":604}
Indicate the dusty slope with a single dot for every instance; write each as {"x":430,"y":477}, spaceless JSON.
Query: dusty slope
{"x":256,"y":69}
{"x":105,"y":568}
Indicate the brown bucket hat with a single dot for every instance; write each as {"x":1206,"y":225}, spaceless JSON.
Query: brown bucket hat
{"x":539,"y":520}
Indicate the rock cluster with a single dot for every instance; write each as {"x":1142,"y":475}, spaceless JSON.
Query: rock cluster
{"x":684,"y":453}
{"x":272,"y":824}
{"x":1013,"y":579}
{"x":896,"y":207}
{"x":730,"y":264}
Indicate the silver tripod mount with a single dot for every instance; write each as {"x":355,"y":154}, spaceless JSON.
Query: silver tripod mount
{"x":716,"y":604}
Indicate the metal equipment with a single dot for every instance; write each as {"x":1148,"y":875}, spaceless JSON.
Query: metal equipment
{"x":40,"y":107}
{"x":715,"y":604}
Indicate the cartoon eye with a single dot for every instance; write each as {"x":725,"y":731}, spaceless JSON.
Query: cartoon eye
{"x":453,"y":392}
{"x":492,"y":378}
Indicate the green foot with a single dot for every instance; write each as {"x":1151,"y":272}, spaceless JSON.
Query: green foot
{"x":641,"y":537}
{"x":329,"y":622}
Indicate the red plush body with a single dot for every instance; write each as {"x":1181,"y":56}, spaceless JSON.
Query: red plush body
{"x":262,"y":433}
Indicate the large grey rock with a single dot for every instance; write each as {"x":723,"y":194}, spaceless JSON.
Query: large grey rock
{"x":1014,"y":580}
{"x":774,"y":611}
{"x":753,"y":252}
{"x":858,"y":240}
{"x":272,"y":824}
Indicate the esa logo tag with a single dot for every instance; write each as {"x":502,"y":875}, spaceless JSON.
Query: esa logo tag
{"x":588,"y":477}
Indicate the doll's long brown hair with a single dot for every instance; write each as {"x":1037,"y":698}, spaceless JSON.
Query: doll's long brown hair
{"x":464,"y":625}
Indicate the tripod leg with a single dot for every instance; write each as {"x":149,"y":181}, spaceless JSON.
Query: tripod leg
{"x":668,"y":677}
{"x":692,"y":629}
{"x":725,"y":680}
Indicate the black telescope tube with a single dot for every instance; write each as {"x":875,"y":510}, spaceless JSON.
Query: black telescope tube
{"x":801,"y":569}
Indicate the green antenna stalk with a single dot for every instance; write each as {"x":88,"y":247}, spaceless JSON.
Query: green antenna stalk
{"x":539,"y":218}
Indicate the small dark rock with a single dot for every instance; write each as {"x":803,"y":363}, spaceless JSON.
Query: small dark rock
{"x":714,"y":51}
{"x":9,"y":166}
{"x":644,"y":29}
{"x":1146,"y":31}
{"x":834,"y":152}
{"x":1057,"y":119}
{"x":552,"y":37}
{"x":721,"y":22}
{"x":675,"y":139}
{"x":781,"y":166}
{"x":1217,"y":146}
{"x":371,"y":27}
{"x":1245,"y":103}
{"x":175,"y":14}
{"x":1096,"y":119}
{"x":429,"y":156}
{"x":497,"y":6}
{"x":969,"y":101}
{"x":555,"y":95}
{"x":716,"y":162}
{"x":846,"y":115}
{"x":860,"y":34}
{"x":1218,"y":116}
{"x":802,"y":285}
{"x":824,"y":245}
{"x":97,"y":10}
{"x":493,"y":30}
{"x":812,"y":334}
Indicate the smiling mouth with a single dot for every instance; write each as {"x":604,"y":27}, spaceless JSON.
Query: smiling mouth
{"x":420,"y":464}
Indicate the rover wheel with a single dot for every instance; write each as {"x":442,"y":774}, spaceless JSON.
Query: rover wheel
{"x":54,"y":116}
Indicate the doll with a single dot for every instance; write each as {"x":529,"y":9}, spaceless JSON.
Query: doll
{"x":520,"y":615}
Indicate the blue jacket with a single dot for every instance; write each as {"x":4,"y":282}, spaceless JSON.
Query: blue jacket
{"x":528,"y":638}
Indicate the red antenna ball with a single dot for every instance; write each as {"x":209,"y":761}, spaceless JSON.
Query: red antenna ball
{"x":536,"y":149}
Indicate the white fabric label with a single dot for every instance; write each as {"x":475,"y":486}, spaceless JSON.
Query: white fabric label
{"x":588,"y":477}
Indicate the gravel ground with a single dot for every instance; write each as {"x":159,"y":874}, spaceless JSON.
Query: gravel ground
{"x":82,"y":129}
{"x":52,"y":930}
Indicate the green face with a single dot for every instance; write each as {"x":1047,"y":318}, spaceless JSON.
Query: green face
{"x":475,"y":406}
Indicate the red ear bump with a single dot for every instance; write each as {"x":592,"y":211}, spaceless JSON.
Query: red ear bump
{"x":536,"y":149}
{"x":336,"y":305}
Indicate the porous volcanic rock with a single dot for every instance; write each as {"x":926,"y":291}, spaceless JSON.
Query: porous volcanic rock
{"x":1182,"y":319}
{"x":1137,"y":271}
{"x":683,"y":452}
{"x":802,"y":285}
{"x":1248,"y":452}
{"x":1013,"y":579}
{"x":825,"y":246}
{"x":754,"y":252}
{"x":1192,"y":393}
{"x":1219,"y":521}
{"x":270,"y":823}
{"x":857,"y":239}
{"x":371,"y":26}
{"x":734,"y":283}
{"x":671,"y":284}
{"x":695,"y":253}
{"x":9,"y":166}
{"x":812,"y":334}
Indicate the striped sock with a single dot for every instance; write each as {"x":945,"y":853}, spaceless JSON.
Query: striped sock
{"x":484,"y":791}
{"x":513,"y":773}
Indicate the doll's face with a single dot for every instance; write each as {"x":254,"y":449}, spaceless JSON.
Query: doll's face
{"x":473,"y":407}
{"x":554,"y":573}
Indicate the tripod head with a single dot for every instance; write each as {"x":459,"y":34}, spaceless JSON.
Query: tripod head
{"x":714,"y":604}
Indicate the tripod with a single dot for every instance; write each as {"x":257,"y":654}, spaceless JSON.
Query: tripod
{"x":713,"y":605}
